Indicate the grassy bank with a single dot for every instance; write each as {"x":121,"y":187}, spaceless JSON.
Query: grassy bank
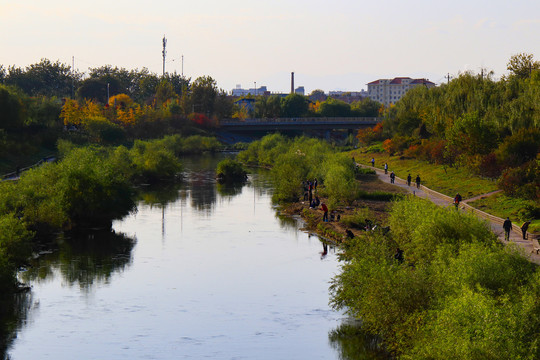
{"x":443,"y":179}
{"x":502,"y":206}
{"x":450,"y":181}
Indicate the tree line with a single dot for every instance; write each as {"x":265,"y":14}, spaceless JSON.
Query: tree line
{"x":489,"y":126}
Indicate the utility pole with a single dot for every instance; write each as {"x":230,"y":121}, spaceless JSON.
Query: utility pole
{"x":73,"y":77}
{"x":448,"y":78}
{"x":164,"y":52}
{"x":182,"y":65}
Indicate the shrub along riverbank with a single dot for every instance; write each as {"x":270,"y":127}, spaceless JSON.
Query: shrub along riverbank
{"x":459,"y":294}
{"x":88,"y":187}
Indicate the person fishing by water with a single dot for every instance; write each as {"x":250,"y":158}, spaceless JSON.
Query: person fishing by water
{"x":507,"y":226}
{"x":324,"y":208}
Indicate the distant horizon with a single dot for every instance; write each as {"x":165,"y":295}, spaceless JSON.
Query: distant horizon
{"x":339,"y":46}
{"x":281,"y":75}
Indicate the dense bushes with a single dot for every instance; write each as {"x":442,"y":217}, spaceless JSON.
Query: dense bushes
{"x":230,"y":170}
{"x":523,"y":181}
{"x":458,"y":295}
{"x":14,"y":250}
{"x":295,"y":161}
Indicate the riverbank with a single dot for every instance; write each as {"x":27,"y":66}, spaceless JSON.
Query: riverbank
{"x":378,"y":212}
{"x":354,"y":217}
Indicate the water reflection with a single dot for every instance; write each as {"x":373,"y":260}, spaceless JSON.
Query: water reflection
{"x":84,"y":258}
{"x":162,"y":195}
{"x":14,"y":310}
{"x":229,"y":190}
{"x":351,"y":343}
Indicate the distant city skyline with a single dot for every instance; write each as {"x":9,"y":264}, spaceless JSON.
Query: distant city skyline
{"x":342,"y":45}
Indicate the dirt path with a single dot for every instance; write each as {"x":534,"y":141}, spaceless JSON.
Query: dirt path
{"x":495,"y":223}
{"x":482,"y":196}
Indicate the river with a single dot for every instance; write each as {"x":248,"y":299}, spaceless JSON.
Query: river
{"x":199,"y":271}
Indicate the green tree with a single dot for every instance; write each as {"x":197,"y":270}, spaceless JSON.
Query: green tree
{"x":203,"y":95}
{"x":223,"y":106}
{"x":366,"y":108}
{"x":334,"y":108}
{"x":165,"y":92}
{"x":472,"y":135}
{"x":44,"y":78}
{"x":294,"y":105}
{"x":521,"y":65}
{"x":11,"y":108}
{"x":98,"y":89}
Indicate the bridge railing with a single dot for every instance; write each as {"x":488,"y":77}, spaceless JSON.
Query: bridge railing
{"x":301,"y":120}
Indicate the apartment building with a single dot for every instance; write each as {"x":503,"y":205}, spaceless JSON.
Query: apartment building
{"x":389,"y":91}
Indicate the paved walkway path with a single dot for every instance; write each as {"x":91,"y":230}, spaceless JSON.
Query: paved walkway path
{"x":530,"y":246}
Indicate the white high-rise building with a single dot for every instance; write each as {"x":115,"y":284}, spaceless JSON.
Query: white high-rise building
{"x":238,"y":91}
{"x":389,"y":91}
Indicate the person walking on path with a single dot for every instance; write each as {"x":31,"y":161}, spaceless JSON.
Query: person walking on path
{"x":325,"y":215}
{"x":457,"y":200}
{"x":409,"y":178}
{"x":385,"y":168}
{"x":392,"y":177}
{"x":418,"y":181}
{"x":373,"y":162}
{"x":507,"y":226}
{"x":524,"y":228}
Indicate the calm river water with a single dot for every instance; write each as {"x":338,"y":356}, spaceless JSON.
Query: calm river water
{"x":199,"y":271}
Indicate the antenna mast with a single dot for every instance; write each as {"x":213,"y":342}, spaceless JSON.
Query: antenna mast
{"x":164,"y":52}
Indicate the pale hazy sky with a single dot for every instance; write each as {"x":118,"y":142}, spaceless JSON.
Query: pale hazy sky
{"x":330,"y":45}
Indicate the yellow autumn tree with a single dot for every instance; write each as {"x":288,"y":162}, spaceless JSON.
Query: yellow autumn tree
{"x":91,"y":108}
{"x":125,"y":117}
{"x":71,"y":113}
{"x":315,"y":107}
{"x":121,"y":100}
{"x":241,"y":114}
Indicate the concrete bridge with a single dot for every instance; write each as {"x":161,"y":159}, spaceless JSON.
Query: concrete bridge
{"x":298,"y":124}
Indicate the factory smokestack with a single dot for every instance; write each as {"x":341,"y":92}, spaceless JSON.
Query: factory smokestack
{"x":292,"y":82}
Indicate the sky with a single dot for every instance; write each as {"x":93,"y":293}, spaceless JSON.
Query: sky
{"x":329,"y":45}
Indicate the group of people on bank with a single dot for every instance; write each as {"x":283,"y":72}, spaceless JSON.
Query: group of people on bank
{"x":393,"y":175}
